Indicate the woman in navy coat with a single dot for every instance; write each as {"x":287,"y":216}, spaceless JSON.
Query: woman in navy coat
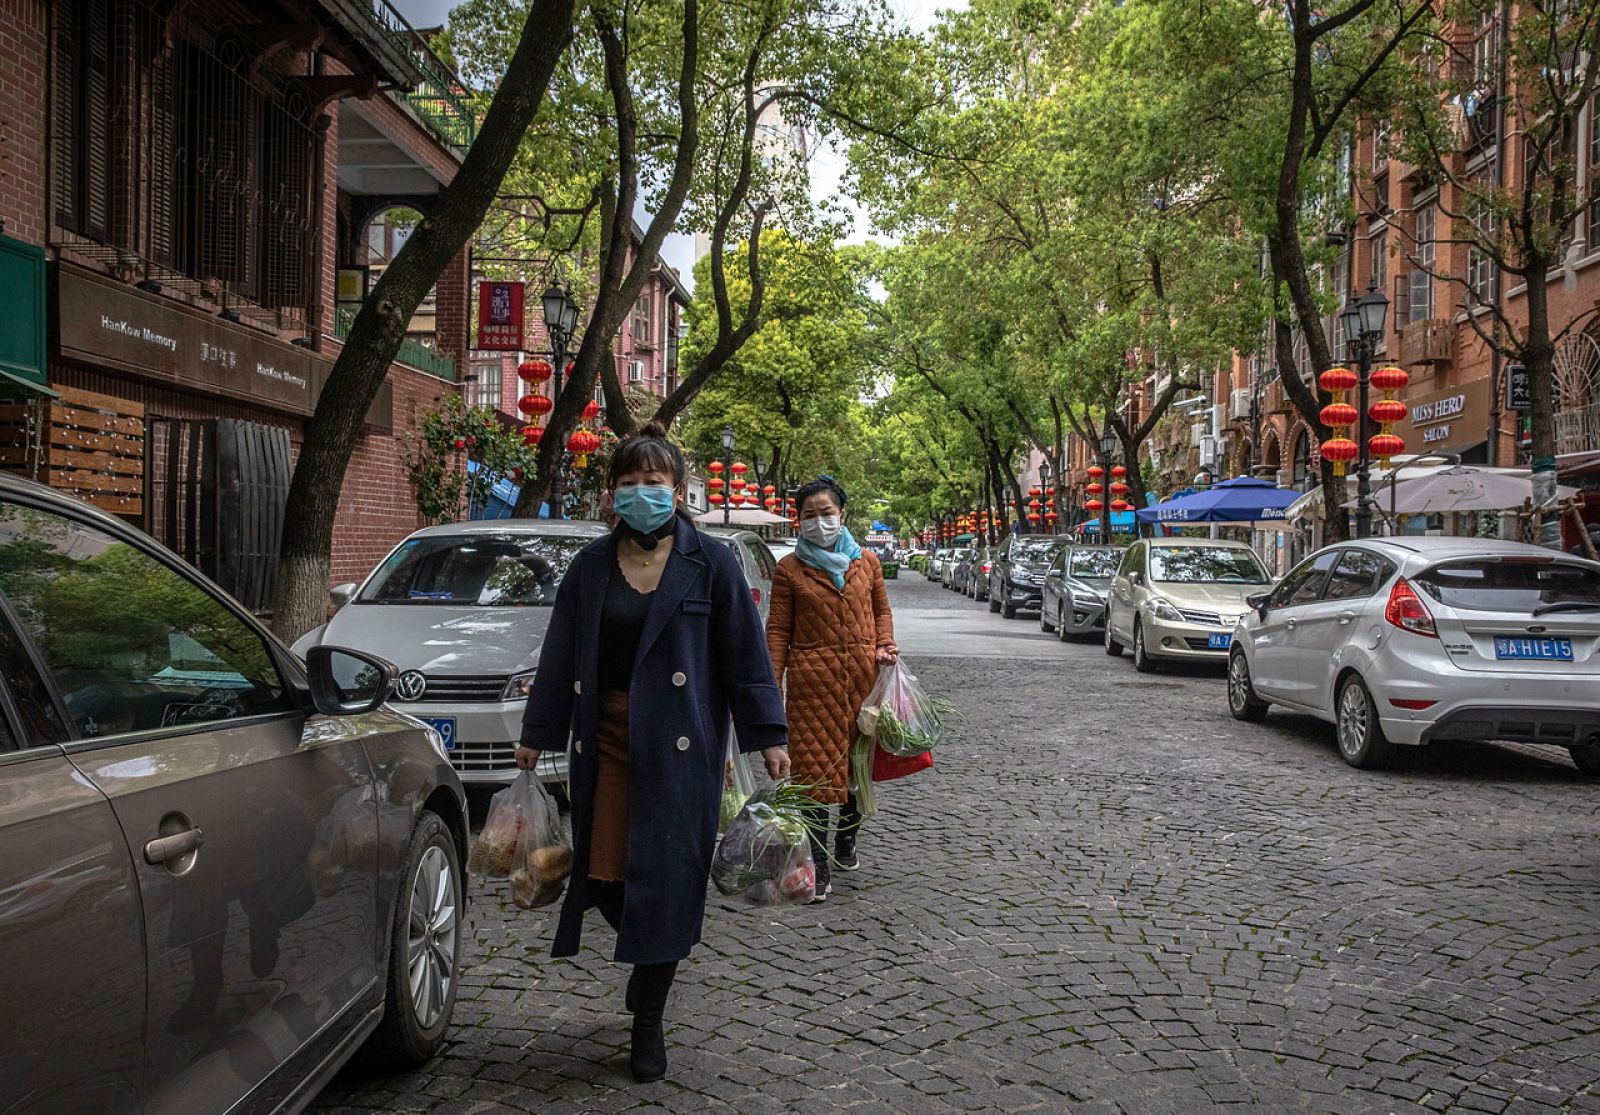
{"x":653,"y":645}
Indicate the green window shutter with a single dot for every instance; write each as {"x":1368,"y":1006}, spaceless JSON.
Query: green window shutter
{"x":22,"y":327}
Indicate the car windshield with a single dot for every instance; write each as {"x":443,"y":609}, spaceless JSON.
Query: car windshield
{"x":1095,"y":565}
{"x":489,"y":571}
{"x":1511,"y":586}
{"x":1034,"y":551}
{"x":1205,"y":564}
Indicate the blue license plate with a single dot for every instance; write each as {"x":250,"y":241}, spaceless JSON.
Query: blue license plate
{"x":1554,"y":650}
{"x":445,"y":726}
{"x":1220,"y":640}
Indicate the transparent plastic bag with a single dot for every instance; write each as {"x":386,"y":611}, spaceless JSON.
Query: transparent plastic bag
{"x":765,"y":856}
{"x":544,"y":854}
{"x":738,"y":784}
{"x":494,"y":853}
{"x":899,"y":715}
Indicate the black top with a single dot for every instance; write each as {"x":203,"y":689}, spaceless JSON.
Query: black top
{"x":621,"y":625}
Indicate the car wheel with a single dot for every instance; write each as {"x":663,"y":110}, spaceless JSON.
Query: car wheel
{"x":1141,"y":657}
{"x":1113,"y":648}
{"x":1586,"y":755}
{"x":1061,"y":627}
{"x":1007,"y":609}
{"x":1242,"y":699}
{"x":1044,"y":624}
{"x":1361,"y":740}
{"x":424,"y":950}
{"x":994,"y":603}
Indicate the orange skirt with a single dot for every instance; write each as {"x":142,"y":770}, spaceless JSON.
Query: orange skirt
{"x":608,"y":832}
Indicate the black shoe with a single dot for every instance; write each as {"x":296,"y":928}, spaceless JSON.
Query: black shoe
{"x":844,"y":853}
{"x":649,"y":1057}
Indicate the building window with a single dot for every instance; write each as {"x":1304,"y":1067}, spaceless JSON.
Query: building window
{"x":1481,"y":271}
{"x":484,"y":391}
{"x":1378,"y":258}
{"x":1421,"y":293}
{"x":83,"y":118}
{"x":643,"y":330}
{"x":1594,"y":173}
{"x":1302,"y":458}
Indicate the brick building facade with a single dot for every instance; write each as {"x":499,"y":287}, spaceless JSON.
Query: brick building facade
{"x":185,"y":198}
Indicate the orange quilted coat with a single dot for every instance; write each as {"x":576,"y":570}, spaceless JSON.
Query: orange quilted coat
{"x":827,"y":642}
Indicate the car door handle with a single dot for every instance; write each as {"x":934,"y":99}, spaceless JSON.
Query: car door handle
{"x":1290,"y":622}
{"x":164,"y":848}
{"x":1346,"y":617}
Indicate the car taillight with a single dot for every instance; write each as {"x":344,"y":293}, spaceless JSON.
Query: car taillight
{"x":987,"y":567}
{"x":1408,"y":703}
{"x":1407,"y":611}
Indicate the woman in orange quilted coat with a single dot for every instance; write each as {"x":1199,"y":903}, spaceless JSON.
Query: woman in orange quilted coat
{"x":828,"y":630}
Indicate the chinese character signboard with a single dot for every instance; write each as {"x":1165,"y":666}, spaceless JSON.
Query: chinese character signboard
{"x":1519,"y":388}
{"x":500,"y":316}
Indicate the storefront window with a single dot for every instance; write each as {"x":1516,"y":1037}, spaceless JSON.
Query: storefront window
{"x":1302,"y":459}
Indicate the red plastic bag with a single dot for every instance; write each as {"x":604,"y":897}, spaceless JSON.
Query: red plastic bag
{"x":887,"y":767}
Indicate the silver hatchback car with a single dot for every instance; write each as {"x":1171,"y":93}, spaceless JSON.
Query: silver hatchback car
{"x":221,"y":873}
{"x":1412,"y":640}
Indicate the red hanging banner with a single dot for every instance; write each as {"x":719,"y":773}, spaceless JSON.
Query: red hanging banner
{"x":500,"y":316}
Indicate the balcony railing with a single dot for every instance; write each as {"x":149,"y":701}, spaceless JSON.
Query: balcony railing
{"x":441,"y":100}
{"x":413,"y":353}
{"x":1578,"y":429}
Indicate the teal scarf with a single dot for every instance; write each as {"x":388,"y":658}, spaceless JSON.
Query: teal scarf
{"x":834,"y":563}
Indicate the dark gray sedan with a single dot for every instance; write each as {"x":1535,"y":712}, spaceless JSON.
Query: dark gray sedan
{"x":1075,"y":588}
{"x":222,"y":872}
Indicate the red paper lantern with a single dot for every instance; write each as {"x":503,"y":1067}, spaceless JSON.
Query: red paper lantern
{"x":1338,"y":415}
{"x":535,"y":404}
{"x":1051,"y":516}
{"x":716,"y":467}
{"x":1121,"y":505}
{"x":739,"y":484}
{"x":1340,"y":449}
{"x":1095,"y":489}
{"x":1390,"y":378}
{"x":1034,"y":492}
{"x":1033,"y":516}
{"x":1383,"y":445}
{"x":532,"y":435}
{"x":714,"y":499}
{"x":535,"y":371}
{"x":591,"y":409}
{"x":1388,"y":410}
{"x":1093,"y":505}
{"x":740,"y":468}
{"x":769,"y":489}
{"x":1120,"y":489}
{"x":1119,"y":471}
{"x":1338,"y":379}
{"x":1096,"y":472}
{"x":715,"y":483}
{"x":577,"y":443}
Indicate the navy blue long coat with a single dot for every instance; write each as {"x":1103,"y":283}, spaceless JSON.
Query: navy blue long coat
{"x":702,"y":658}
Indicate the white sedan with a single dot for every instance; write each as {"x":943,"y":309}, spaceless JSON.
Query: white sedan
{"x":462,"y":609}
{"x":1416,"y":640}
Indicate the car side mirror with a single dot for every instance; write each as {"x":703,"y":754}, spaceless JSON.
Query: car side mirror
{"x":347,"y":682}
{"x":343,"y":594}
{"x":1137,"y":578}
{"x":1259,"y":602}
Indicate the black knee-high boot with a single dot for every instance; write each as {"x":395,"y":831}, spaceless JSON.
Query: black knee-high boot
{"x":844,"y":844}
{"x":650,"y":986}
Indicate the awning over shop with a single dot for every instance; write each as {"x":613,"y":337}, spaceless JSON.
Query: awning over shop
{"x":23,"y":344}
{"x":1244,"y":499}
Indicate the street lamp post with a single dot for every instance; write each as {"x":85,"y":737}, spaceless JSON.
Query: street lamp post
{"x":560,"y":322}
{"x":1363,"y":321}
{"x":1108,"y":445}
{"x":1049,"y":500}
{"x":759,"y":467}
{"x":728,"y":444}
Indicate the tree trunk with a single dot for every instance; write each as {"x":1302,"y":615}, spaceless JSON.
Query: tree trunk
{"x":333,"y":430}
{"x":1538,"y":352}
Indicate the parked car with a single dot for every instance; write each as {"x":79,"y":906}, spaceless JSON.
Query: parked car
{"x":781,"y":547}
{"x":222,"y":870}
{"x":1400,"y":641}
{"x":1016,"y":582}
{"x":1074,"y":595}
{"x":978,"y":580}
{"x":953,"y":566}
{"x":936,"y":563}
{"x":462,"y":610}
{"x":755,"y":559}
{"x":1179,"y":598}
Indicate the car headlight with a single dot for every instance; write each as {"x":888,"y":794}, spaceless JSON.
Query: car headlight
{"x":1087,"y":599}
{"x":517,"y":688}
{"x":1164,"y":609}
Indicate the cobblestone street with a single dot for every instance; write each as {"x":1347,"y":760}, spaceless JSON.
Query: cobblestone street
{"x":1108,"y":896}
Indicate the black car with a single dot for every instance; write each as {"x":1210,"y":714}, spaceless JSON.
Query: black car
{"x":1016,"y":582}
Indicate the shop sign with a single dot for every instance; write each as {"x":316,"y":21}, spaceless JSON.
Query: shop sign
{"x":500,"y":316}
{"x":1454,"y":418}
{"x":101,"y":322}
{"x":1519,"y":387}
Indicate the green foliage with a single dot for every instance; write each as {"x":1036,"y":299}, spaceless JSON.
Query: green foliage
{"x":436,"y":457}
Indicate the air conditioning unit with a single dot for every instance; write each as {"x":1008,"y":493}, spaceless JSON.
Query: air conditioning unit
{"x":635,"y":371}
{"x":1197,"y":433}
{"x":1239,"y":402}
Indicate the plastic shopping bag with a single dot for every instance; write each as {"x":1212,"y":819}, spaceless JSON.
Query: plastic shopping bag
{"x":765,"y":856}
{"x":494,"y":853}
{"x":900,"y":715}
{"x":544,"y":854}
{"x":738,"y":784}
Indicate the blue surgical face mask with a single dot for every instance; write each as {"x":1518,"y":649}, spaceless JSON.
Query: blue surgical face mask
{"x":644,"y":507}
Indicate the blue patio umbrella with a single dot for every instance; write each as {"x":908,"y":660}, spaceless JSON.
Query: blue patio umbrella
{"x":1121,"y":523}
{"x":1243,"y":499}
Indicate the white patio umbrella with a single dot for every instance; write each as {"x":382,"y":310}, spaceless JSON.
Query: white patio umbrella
{"x":1456,"y":489}
{"x":740,"y":517}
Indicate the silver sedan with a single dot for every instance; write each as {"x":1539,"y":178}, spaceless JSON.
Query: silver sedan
{"x":1075,"y":589}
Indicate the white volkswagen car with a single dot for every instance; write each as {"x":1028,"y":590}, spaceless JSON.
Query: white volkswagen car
{"x":1414,"y":640}
{"x":462,"y":609}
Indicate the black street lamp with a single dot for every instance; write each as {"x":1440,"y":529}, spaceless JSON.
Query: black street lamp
{"x":560,"y":322}
{"x":728,"y":444}
{"x":1108,"y":446}
{"x":1363,"y":320}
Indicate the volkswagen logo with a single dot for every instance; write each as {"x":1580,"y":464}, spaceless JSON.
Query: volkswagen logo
{"x":411,"y":686}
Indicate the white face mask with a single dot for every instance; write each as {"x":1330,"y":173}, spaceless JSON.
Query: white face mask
{"x":821,"y":530}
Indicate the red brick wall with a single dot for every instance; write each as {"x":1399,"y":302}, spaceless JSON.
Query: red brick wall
{"x":23,"y":85}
